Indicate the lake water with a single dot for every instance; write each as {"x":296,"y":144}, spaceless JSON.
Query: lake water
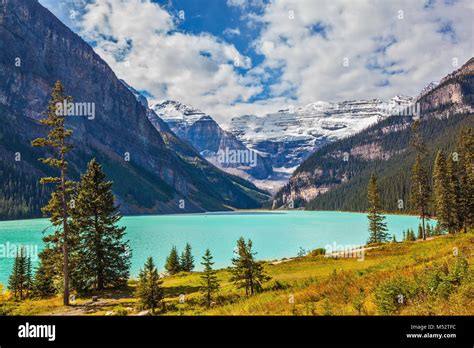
{"x":274,"y":234}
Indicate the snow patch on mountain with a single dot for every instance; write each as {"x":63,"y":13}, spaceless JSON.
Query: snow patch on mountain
{"x":174,"y":111}
{"x":290,"y":135}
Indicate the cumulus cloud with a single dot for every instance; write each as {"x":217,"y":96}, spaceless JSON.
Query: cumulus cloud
{"x":328,"y":50}
{"x":362,"y":49}
{"x":140,"y":41}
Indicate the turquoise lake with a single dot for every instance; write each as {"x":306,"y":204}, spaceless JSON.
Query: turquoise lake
{"x":274,"y":234}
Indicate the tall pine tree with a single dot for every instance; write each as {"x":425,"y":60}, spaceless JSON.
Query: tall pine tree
{"x":420,"y":189}
{"x":377,"y":225}
{"x":57,"y":208}
{"x":465,"y":153}
{"x":440,"y":191}
{"x":453,"y":194}
{"x":101,"y":255}
{"x":209,"y":282}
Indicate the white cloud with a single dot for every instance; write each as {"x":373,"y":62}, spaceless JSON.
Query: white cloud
{"x":138,"y":39}
{"x":304,"y":44}
{"x":232,"y":32}
{"x":245,"y":4}
{"x":312,"y":61}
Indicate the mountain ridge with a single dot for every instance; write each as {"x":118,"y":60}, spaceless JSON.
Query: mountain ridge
{"x":41,"y":50}
{"x":335,"y":176}
{"x":210,"y":140}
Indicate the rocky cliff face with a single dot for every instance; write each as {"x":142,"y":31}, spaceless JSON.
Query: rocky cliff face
{"x":36,"y":50}
{"x":219,"y":147}
{"x":454,"y":94}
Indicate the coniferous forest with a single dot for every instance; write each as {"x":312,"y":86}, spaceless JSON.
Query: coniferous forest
{"x":393,"y":173}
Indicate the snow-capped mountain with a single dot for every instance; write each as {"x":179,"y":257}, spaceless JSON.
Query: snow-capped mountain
{"x":176,"y":113}
{"x":219,"y":147}
{"x":289,"y":136}
{"x":274,"y":145}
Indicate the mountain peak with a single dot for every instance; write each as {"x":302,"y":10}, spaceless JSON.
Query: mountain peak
{"x":172,"y":110}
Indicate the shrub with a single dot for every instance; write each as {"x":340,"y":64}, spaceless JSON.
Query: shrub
{"x":443,"y":279}
{"x":120,"y":311}
{"x":458,"y":271}
{"x":358,"y":302}
{"x":392,"y":294}
{"x":278,"y":285}
{"x":317,"y":252}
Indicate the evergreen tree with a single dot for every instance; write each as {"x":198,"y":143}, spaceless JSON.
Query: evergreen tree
{"x":149,"y":290}
{"x":209,"y":282}
{"x":454,"y":222}
{"x":420,"y":232}
{"x":28,"y":276}
{"x":20,"y":279}
{"x":420,"y":190}
{"x":377,"y":224}
{"x":187,"y":259}
{"x":441,"y":190}
{"x":173,"y":265}
{"x":57,"y":207}
{"x":394,"y":238}
{"x":16,"y":280}
{"x":410,"y":235}
{"x":101,"y":254}
{"x":43,"y":286}
{"x":13,"y":281}
{"x":247,"y":273}
{"x":465,"y":152}
{"x":429,"y":231}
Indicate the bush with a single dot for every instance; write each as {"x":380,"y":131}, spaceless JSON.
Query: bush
{"x":277,"y":285}
{"x":317,"y":252}
{"x":392,"y":294}
{"x":442,"y":280}
{"x":467,"y":290}
{"x":120,"y":311}
{"x":458,"y":271}
{"x":358,"y":302}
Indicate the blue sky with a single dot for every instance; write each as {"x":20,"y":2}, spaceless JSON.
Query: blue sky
{"x":233,"y":57}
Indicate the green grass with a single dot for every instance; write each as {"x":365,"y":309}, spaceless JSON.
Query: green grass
{"x":318,"y":285}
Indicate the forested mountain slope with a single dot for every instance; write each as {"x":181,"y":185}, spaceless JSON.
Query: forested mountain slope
{"x":150,"y":175}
